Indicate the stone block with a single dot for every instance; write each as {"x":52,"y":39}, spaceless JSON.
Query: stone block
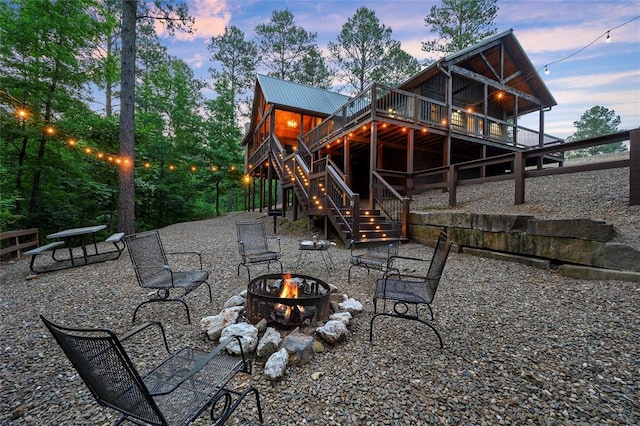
{"x":501,"y":222}
{"x":585,"y":229}
{"x":424,"y":234}
{"x":591,"y":273}
{"x":622,"y":257}
{"x":456,"y":219}
{"x":544,"y":264}
{"x":572,"y":250}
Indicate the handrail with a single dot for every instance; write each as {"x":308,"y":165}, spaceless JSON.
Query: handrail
{"x":341,"y":201}
{"x":305,"y":153}
{"x":391,"y":204}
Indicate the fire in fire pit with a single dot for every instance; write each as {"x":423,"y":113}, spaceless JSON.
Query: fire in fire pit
{"x":288,"y":300}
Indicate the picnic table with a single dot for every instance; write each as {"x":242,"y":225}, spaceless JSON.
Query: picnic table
{"x":73,"y":239}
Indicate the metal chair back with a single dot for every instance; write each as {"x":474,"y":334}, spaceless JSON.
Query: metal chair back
{"x":108,"y":372}
{"x":253,"y":246}
{"x":148,"y":258}
{"x":406,"y":287}
{"x":153,"y":270}
{"x":253,"y":236}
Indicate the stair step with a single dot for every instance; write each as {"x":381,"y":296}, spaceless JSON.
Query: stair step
{"x":368,"y":235}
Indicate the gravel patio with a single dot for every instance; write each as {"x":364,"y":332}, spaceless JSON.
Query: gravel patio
{"x":522,"y":345}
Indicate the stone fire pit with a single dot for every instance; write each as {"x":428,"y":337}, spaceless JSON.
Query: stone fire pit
{"x":264,"y":315}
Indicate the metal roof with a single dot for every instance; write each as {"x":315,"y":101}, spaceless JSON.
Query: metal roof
{"x":298,"y":96}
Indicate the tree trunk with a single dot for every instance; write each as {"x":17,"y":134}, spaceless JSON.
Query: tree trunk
{"x":126,"y":205}
{"x":35,"y":187}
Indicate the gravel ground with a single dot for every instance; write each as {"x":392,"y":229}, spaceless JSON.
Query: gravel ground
{"x":522,"y":346}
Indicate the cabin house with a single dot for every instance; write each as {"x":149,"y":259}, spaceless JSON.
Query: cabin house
{"x":357,"y":161}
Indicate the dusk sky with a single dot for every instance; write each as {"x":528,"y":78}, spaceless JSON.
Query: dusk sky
{"x":567,"y":35}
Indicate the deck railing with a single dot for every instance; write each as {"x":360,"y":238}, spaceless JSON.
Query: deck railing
{"x":384,"y":101}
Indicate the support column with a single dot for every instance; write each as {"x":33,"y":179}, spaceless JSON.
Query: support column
{"x":347,"y":162}
{"x":634,"y":167}
{"x":410,"y":160}
{"x":373,"y":159}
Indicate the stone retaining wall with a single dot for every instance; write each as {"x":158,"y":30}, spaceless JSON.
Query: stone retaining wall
{"x":584,"y":242}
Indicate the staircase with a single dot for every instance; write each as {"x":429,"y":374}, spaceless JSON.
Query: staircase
{"x":321,"y":190}
{"x":374,"y":227}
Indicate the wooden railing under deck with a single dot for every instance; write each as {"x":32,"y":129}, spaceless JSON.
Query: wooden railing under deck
{"x":391,"y":204}
{"x":447,"y":177}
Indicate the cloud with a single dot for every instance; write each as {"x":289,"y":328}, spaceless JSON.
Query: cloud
{"x":196,"y":61}
{"x":211,"y":17}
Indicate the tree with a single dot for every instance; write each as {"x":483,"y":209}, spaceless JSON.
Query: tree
{"x":284,"y":44}
{"x":363,"y":49}
{"x":312,"y":70}
{"x":238,"y":59}
{"x":174,"y":16}
{"x":223,"y":135}
{"x":596,"y":121}
{"x":397,"y":67}
{"x":46,"y":53}
{"x":459,"y":24}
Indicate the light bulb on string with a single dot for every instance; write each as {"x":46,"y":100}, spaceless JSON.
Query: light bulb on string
{"x":546,"y":70}
{"x":608,"y":39}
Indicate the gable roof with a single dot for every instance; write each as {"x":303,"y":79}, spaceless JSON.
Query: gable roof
{"x":499,"y":58}
{"x":297,"y":96}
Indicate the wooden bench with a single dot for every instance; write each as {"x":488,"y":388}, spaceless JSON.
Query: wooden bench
{"x":39,"y":250}
{"x":21,"y":239}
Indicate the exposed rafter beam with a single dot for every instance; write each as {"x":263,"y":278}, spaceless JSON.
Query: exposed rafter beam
{"x":497,"y":84}
{"x":486,"y":62}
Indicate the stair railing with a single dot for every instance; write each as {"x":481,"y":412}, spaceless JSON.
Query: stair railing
{"x":343,"y":205}
{"x":391,"y":204}
{"x":277,"y":156}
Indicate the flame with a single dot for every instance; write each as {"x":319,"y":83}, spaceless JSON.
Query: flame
{"x":289,"y":290}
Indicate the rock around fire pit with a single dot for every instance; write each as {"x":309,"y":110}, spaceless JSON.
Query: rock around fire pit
{"x":280,"y":345}
{"x":287,"y":300}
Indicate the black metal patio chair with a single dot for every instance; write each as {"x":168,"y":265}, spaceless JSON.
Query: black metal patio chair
{"x":404,"y":290}
{"x":377,"y":256}
{"x":154,"y":272}
{"x":175,"y":392}
{"x":254,"y":247}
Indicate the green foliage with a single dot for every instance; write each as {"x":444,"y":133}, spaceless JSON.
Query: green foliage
{"x":365,"y":52}
{"x":237,"y":57}
{"x":459,"y":24}
{"x":596,"y":121}
{"x":284,"y":47}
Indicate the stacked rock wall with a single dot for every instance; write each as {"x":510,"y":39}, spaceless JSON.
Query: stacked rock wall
{"x":583,"y":242}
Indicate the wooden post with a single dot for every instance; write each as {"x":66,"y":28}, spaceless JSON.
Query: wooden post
{"x":373,"y":159}
{"x":518,"y":177}
{"x":634,"y":167}
{"x":410,"y":156}
{"x":451,"y":184}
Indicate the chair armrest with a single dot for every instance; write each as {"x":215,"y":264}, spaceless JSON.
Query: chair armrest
{"x":142,"y":327}
{"x":197,"y":253}
{"x":204,"y":361}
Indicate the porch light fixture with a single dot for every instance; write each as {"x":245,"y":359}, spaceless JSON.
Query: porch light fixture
{"x":291,"y":123}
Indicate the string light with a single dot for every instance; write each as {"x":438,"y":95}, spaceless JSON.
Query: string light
{"x":607,"y":39}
